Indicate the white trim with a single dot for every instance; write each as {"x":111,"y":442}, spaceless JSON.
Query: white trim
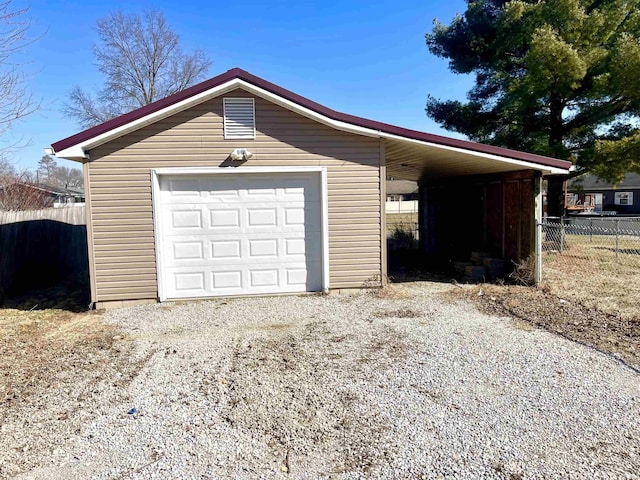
{"x":307,"y":112}
{"x":155,"y":200}
{"x":233,"y":170}
{"x":530,"y":165}
{"x":78,"y":151}
{"x":157,"y":232}
{"x":537,"y":216}
{"x":324,"y":189}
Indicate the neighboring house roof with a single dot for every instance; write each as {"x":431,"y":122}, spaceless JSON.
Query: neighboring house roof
{"x":57,"y":190}
{"x":77,"y":146}
{"x":591,"y":182}
{"x":48,"y":189}
{"x":401,"y":187}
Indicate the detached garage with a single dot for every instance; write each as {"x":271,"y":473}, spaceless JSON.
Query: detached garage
{"x":237,"y":186}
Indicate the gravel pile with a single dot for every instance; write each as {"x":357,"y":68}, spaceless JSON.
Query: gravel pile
{"x":354,"y":387}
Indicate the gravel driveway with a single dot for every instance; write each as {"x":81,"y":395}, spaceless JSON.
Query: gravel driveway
{"x":402,"y":386}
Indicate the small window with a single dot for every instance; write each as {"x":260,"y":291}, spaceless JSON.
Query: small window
{"x":239,"y":118}
{"x":623,"y":198}
{"x":572,"y":199}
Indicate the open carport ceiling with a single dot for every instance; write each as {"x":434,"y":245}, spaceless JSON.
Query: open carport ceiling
{"x":413,"y":161}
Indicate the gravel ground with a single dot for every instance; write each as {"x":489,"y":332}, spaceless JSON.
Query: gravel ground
{"x":397,"y":385}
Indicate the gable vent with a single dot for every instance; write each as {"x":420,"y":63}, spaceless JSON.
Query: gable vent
{"x":239,"y":118}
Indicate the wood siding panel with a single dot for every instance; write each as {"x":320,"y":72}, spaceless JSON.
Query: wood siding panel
{"x":493,"y":214}
{"x":120,"y":187}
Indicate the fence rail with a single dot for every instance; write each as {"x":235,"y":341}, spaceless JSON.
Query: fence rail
{"x":401,"y":206}
{"x":69,"y":215}
{"x":611,"y":241}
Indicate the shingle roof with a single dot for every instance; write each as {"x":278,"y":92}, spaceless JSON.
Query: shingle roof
{"x":591,"y":182}
{"x":401,"y":187}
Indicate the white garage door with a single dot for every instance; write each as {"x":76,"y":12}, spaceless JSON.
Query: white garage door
{"x":240,"y":234}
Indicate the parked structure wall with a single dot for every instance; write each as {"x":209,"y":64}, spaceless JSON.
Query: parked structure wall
{"x":490,"y":213}
{"x":118,"y":180}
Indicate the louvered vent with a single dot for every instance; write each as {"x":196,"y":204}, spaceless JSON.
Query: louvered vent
{"x":239,"y":118}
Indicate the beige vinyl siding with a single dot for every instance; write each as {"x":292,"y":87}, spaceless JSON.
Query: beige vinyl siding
{"x":120,"y":185}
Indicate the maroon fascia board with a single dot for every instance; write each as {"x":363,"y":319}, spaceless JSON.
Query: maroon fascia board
{"x":311,"y":105}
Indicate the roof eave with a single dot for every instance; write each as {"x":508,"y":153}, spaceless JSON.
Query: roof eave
{"x":76,"y":153}
{"x":77,"y":146}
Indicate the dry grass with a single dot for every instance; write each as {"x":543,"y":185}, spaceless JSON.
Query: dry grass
{"x":36,"y":345}
{"x":589,"y":272}
{"x":404,"y":222}
{"x":391,"y":291}
{"x":57,"y":368}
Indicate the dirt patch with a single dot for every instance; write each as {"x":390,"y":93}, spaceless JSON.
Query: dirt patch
{"x":615,"y":334}
{"x":53,"y":362}
{"x":268,"y":391}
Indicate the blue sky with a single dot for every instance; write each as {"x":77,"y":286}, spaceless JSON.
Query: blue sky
{"x":359,"y":57}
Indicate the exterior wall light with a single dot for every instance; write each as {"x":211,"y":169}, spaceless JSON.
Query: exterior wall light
{"x":240,"y":154}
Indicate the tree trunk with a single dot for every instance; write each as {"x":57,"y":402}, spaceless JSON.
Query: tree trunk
{"x":555,"y":190}
{"x":555,"y":195}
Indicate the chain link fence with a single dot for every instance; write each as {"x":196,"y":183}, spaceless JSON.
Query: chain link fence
{"x":595,"y":260}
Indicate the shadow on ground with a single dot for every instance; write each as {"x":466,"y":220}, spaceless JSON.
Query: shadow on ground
{"x":409,"y":265}
{"x":72,"y":295}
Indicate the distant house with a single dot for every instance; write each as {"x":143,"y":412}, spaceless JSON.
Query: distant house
{"x":401,"y":190}
{"x":62,"y":196}
{"x":30,"y":196}
{"x":588,"y":193}
{"x":402,"y":196}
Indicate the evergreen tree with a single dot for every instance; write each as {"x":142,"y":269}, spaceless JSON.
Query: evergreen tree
{"x":557,"y":77}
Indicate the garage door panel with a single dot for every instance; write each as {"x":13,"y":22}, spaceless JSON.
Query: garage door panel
{"x":240,"y":279}
{"x":230,"y":250}
{"x":183,"y":187}
{"x":299,"y":188}
{"x":186,"y":250}
{"x":181,"y":219}
{"x":228,"y":218}
{"x":225,"y":249}
{"x":241,"y":234}
{"x":281,"y":215}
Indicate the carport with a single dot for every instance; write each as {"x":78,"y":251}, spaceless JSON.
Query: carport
{"x":473,"y":197}
{"x":237,"y":186}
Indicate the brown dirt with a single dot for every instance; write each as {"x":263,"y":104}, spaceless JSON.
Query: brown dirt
{"x":54,"y":355}
{"x":618,"y":335}
{"x":35,"y":345}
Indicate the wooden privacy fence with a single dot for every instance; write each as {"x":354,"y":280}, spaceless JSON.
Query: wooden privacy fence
{"x":42,"y":248}
{"x":69,"y":215}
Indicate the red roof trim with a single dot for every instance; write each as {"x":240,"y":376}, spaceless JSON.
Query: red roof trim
{"x":311,"y":105}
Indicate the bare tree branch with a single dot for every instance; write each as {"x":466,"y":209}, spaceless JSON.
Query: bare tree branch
{"x":141,"y":59}
{"x":15,"y":99}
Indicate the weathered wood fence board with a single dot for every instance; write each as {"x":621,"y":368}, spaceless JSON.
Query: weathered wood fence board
{"x":70,"y":215}
{"x":42,"y":248}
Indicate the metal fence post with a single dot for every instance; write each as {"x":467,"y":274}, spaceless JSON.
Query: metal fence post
{"x":538,"y":267}
{"x":617,"y":238}
{"x":591,"y":229}
{"x":562,"y":233}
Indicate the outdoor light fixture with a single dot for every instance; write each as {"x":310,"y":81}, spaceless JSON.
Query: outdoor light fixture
{"x":240,"y":154}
